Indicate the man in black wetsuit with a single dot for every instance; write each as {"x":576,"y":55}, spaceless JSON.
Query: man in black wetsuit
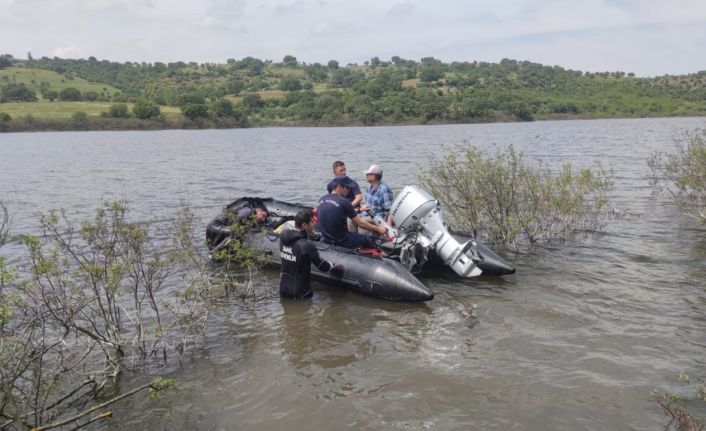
{"x":297,"y":254}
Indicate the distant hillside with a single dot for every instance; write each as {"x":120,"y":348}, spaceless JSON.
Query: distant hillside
{"x":41,"y":80}
{"x":251,"y":91}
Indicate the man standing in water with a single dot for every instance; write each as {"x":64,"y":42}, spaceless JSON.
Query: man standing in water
{"x":297,"y":254}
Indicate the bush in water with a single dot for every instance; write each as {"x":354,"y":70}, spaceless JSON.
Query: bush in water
{"x":683,"y":173}
{"x":681,"y":407}
{"x":501,"y":198}
{"x":92,"y":303}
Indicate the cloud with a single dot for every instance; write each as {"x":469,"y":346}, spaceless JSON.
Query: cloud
{"x":69,"y":51}
{"x":295,"y":7}
{"x":590,"y":35}
{"x":225,"y":15}
{"x":401,"y":9}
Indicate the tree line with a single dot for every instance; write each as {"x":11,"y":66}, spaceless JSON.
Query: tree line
{"x":251,"y":91}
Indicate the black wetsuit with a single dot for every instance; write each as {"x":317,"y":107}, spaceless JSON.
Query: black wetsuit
{"x":297,"y":254}
{"x":219,"y":229}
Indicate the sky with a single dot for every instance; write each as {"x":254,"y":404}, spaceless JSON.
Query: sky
{"x":645,"y":37}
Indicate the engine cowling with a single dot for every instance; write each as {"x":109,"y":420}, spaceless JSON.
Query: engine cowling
{"x":416,"y":211}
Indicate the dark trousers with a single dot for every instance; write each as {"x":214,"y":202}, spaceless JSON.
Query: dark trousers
{"x":353,"y":240}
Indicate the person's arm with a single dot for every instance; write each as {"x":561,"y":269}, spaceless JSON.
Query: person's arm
{"x":369,"y":226}
{"x":357,"y":194}
{"x":310,"y":249}
{"x":387,"y":200}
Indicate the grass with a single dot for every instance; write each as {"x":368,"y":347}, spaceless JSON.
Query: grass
{"x":34,"y":77}
{"x":277,"y":94}
{"x":57,"y":110}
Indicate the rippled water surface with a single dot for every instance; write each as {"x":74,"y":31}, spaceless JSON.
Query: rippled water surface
{"x":575,"y":340}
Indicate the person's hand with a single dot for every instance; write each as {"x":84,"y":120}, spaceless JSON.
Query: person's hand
{"x":364,"y":207}
{"x":382,"y":230}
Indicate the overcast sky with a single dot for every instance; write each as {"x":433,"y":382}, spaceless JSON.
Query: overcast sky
{"x":647,"y":37}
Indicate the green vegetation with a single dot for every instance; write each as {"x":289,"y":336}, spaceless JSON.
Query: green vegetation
{"x":42,"y":80}
{"x":63,"y":110}
{"x":90,"y":305}
{"x":504,"y":199}
{"x":680,"y":407}
{"x":398,"y":91}
{"x":683,"y":174}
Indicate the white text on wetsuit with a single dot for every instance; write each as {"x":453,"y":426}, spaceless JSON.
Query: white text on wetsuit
{"x":287,"y":254}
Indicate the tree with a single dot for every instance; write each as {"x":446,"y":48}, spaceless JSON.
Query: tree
{"x":66,"y":339}
{"x":253,"y":65}
{"x":51,"y":95}
{"x":333,"y":64}
{"x":222,"y":108}
{"x":192,"y":111}
{"x":290,"y":83}
{"x":235,"y":86}
{"x":192,"y":97}
{"x":505,"y":199}
{"x":145,"y":110}
{"x":253,"y":101}
{"x":429,"y":73}
{"x":289,"y":61}
{"x":80,"y":119}
{"x":119,"y":110}
{"x":316,"y":72}
{"x":70,"y":94}
{"x":5,"y":61}
{"x":90,"y":96}
{"x":683,"y":173}
{"x":13,"y":92}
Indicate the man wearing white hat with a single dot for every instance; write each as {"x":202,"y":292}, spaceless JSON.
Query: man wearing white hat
{"x":378,"y":196}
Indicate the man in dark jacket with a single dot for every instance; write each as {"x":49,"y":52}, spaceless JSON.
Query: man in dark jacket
{"x":334,"y":210}
{"x":297,"y":254}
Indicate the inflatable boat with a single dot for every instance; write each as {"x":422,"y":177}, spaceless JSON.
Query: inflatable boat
{"x":422,"y":243}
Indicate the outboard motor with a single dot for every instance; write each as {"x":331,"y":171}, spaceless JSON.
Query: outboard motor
{"x":420,"y":227}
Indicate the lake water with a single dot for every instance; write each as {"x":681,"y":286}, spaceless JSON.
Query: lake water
{"x":575,"y":340}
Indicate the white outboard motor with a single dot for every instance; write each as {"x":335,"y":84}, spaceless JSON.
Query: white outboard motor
{"x":416,"y":211}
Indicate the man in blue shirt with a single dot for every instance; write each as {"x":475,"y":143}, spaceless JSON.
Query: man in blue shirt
{"x":333,"y":212}
{"x":378,"y":196}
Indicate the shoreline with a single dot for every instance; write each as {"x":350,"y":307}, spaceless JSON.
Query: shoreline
{"x":97,"y":124}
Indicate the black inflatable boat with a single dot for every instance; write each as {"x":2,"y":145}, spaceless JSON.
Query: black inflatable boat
{"x":387,"y":273}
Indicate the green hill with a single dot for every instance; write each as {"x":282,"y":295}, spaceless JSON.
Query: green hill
{"x":251,"y":91}
{"x":42,"y":79}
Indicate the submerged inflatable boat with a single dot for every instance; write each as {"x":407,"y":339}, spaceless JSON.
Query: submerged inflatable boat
{"x":422,"y":243}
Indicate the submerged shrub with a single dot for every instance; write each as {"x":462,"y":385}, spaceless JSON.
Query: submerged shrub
{"x":93,"y":301}
{"x":683,"y":173}
{"x":504,"y":199}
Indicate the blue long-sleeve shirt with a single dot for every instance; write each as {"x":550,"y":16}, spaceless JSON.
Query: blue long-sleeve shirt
{"x":379,"y":199}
